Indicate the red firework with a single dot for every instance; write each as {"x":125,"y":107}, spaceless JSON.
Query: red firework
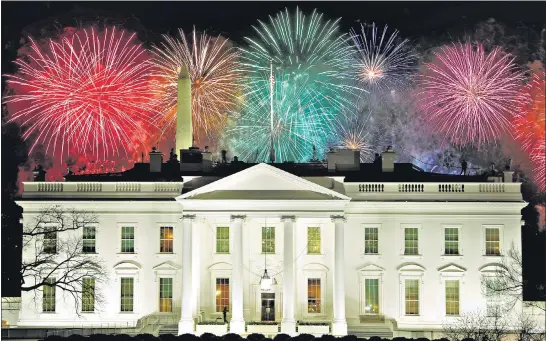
{"x":530,"y":125}
{"x":468,"y":95}
{"x":87,"y":91}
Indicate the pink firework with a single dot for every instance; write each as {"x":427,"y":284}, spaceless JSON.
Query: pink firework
{"x":468,"y":95}
{"x":87,"y":91}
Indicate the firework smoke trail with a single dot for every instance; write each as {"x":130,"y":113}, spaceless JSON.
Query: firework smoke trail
{"x":215,"y":73}
{"x":469,"y":95}
{"x":351,"y":131}
{"x":88,"y":92}
{"x":298,"y":125}
{"x":310,"y":52}
{"x":385,"y":62}
{"x":530,"y":125}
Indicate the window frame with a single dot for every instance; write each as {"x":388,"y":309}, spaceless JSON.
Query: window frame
{"x":92,"y":298}
{"x":264,"y":241}
{"x":219,"y":270}
{"x":405,"y":287}
{"x":216,"y":240}
{"x":95,"y":227}
{"x":319,"y":298}
{"x":45,"y":249}
{"x":313,"y":270}
{"x":165,"y":298}
{"x":319,"y":227}
{"x":121,"y":297}
{"x":459,"y":241}
{"x":364,"y":227}
{"x":370,"y":271}
{"x":228,"y":298}
{"x":120,"y":231}
{"x":416,"y":272}
{"x":162,"y":240}
{"x":500,"y":228}
{"x":403,"y":228}
{"x":446,"y":301}
{"x":50,"y":298}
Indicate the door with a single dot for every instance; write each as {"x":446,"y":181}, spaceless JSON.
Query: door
{"x":268,"y":307}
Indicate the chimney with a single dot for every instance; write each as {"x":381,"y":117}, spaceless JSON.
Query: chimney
{"x":156,"y":160}
{"x":39,"y":173}
{"x":387,"y":160}
{"x":184,"y":132}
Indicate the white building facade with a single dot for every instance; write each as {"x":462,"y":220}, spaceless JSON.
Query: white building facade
{"x":403,"y":256}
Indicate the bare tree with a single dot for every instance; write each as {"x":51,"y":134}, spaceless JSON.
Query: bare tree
{"x":53,"y":256}
{"x":528,"y":329}
{"x":478,"y":326}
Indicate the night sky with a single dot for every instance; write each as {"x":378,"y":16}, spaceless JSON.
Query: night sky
{"x":438,"y":22}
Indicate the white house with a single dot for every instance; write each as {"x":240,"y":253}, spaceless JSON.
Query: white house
{"x":359,"y":246}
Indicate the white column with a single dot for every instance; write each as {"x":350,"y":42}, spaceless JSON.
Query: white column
{"x":195,"y":272}
{"x":288,"y":323}
{"x":237,"y":323}
{"x":186,"y":318}
{"x":339,"y":326}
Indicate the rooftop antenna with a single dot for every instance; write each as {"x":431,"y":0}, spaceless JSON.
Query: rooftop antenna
{"x":271,"y":113}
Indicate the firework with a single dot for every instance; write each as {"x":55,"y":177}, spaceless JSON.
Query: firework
{"x":87,"y":92}
{"x":215,"y":74}
{"x":295,"y":128}
{"x":310,"y":52}
{"x":530,"y":125}
{"x":468,"y":95}
{"x":351,"y":131}
{"x":385,"y":62}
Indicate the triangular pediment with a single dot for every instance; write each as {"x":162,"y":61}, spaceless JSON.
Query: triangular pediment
{"x":370,"y":268}
{"x":168,"y":265}
{"x":263,"y":182}
{"x":451,"y":268}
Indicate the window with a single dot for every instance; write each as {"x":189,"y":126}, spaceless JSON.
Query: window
{"x":128,"y":239}
{"x":412,"y":297}
{"x":127,"y":287}
{"x":452,"y":297}
{"x":371,"y":296}
{"x":451,"y":241}
{"x":371,"y":240}
{"x":165,"y":295}
{"x":89,"y":239}
{"x":313,"y":296}
{"x":165,"y":239}
{"x":268,"y":239}
{"x":88,"y":294}
{"x":411,"y":246}
{"x":48,"y":299}
{"x":222,"y":294}
{"x":492,"y":241}
{"x":222,"y":239}
{"x":313,"y":240}
{"x":50,"y":240}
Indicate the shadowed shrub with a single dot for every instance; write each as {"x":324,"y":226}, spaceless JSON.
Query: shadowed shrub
{"x":231,"y":337}
{"x":255,"y":337}
{"x":168,"y":337}
{"x":209,"y":337}
{"x":281,"y":337}
{"x":189,"y":337}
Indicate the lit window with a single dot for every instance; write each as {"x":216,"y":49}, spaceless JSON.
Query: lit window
{"x":166,"y":239}
{"x":48,"y":299}
{"x":313,"y":240}
{"x":128,"y":239}
{"x":88,"y":294}
{"x":371,"y":294}
{"x":127,"y":288}
{"x":411,"y":246}
{"x":451,"y":241}
{"x":268,"y":239}
{"x":492,"y":241}
{"x":313,"y":295}
{"x":452,"y":297}
{"x":50,"y":240}
{"x":222,"y":294}
{"x":412,"y":296}
{"x":371,"y":240}
{"x":165,"y":295}
{"x":89,"y":239}
{"x":222,"y":239}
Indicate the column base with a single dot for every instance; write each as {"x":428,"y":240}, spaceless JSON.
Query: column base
{"x":339,"y":327}
{"x":185,"y":326}
{"x":288,"y":326}
{"x":237,"y":326}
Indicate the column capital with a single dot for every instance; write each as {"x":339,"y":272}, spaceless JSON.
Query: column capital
{"x":238,"y":217}
{"x":188,"y":216}
{"x":336,"y":218}
{"x":291,"y":218}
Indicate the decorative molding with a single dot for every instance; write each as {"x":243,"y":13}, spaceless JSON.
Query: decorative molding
{"x":188,"y":217}
{"x":451,"y":268}
{"x":291,"y":218}
{"x":370,"y":267}
{"x":336,"y":218}
{"x":127,"y":265}
{"x":411,"y":267}
{"x":235,"y":217}
{"x":168,"y":265}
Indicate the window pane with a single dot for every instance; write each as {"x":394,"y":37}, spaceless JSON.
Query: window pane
{"x":268,"y":239}
{"x":412,"y":297}
{"x":50,"y":240}
{"x":128,"y":239}
{"x":166,"y":239}
{"x":371,"y":240}
{"x":127,"y":294}
{"x":89,"y":235}
{"x":451,"y":241}
{"x":313,"y":295}
{"x":222,"y":239}
{"x":411,"y":246}
{"x":222,"y":294}
{"x":88,"y":294}
{"x":48,"y":296}
{"x":165,"y":295}
{"x":492,"y":241}
{"x":371,"y":292}
{"x":452,"y":297}
{"x":313,"y":240}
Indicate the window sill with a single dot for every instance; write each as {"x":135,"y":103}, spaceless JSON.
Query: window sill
{"x":49,"y":312}
{"x":363,"y":255}
{"x":412,"y":257}
{"x":88,"y":312}
{"x":165,"y":254}
{"x":315,"y":254}
{"x":222,"y":253}
{"x":127,"y":312}
{"x":270,"y":254}
{"x":492,"y":256}
{"x":90,"y":253}
{"x":127,"y":253}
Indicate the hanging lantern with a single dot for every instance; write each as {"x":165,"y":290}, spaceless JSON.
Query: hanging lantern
{"x":265,"y":282}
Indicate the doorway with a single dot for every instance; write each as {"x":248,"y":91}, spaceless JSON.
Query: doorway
{"x":268,"y":307}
